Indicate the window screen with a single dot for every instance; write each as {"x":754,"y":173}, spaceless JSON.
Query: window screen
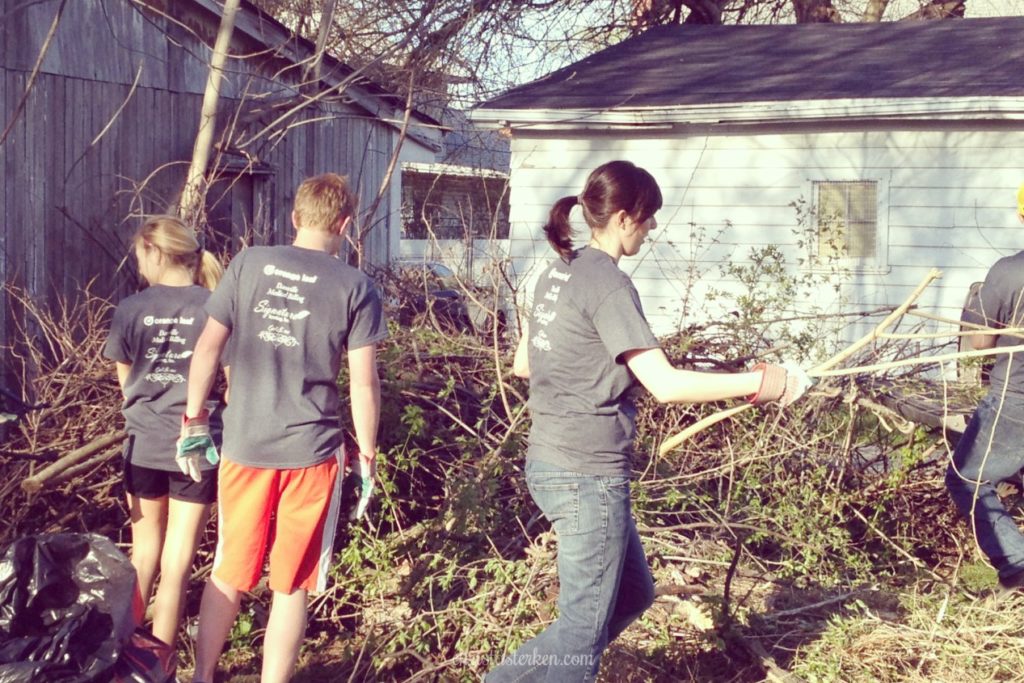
{"x":847,"y":219}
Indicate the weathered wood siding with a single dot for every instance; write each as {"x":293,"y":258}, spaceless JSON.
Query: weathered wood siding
{"x":91,"y":152}
{"x":947,"y":198}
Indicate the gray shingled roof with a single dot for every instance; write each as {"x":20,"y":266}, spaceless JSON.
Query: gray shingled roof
{"x":699,"y":65}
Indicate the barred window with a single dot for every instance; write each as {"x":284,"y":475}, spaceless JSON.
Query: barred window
{"x":847,"y":219}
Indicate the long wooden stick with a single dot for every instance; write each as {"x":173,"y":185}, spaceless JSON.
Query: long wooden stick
{"x":920,"y":360}
{"x":1002,"y":332}
{"x":36,"y":482}
{"x":699,"y":426}
{"x":974,"y":327}
{"x":714,"y":419}
{"x":83,"y":466}
{"x":898,"y":312}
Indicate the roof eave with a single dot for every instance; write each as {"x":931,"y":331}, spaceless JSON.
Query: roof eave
{"x":750,"y":113}
{"x":264,"y":29}
{"x":452,"y":169}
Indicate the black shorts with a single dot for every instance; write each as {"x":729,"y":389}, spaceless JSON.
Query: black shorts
{"x":150,"y":483}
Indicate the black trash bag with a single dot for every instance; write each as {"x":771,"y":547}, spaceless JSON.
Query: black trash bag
{"x":65,"y":608}
{"x":146,"y":659}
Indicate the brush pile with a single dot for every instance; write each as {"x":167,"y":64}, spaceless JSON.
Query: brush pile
{"x":815,"y":543}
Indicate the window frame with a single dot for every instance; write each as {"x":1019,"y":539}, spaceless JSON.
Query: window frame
{"x":879,"y":263}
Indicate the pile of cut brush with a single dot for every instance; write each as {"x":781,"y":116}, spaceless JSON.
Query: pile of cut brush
{"x":796,"y":544}
{"x":60,"y":445}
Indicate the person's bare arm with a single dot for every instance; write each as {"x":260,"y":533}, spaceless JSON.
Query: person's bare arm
{"x":521,"y":361}
{"x":203,"y":369}
{"x":980,"y":342}
{"x":364,"y":390}
{"x":669,"y":384}
{"x":122,"y":374}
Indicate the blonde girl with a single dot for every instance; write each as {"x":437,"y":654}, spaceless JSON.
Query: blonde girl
{"x":152,"y":336}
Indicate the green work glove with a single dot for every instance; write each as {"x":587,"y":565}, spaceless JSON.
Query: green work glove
{"x":367,"y":468}
{"x":194,"y":443}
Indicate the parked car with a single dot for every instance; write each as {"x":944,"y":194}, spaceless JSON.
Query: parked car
{"x":431,"y":290}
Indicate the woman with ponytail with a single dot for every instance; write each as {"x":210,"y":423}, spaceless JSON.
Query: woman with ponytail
{"x":151,"y":339}
{"x":585,"y":346}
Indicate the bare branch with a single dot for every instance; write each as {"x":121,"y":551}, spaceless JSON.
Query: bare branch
{"x":35,"y":72}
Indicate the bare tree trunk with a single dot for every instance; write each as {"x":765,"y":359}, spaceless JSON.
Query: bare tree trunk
{"x":648,"y":13}
{"x":326,"y":19}
{"x":815,"y":12}
{"x":940,"y":9}
{"x":192,"y":196}
{"x":35,"y":72}
{"x":875,"y":10}
{"x":359,"y":243}
{"x":703,"y":11}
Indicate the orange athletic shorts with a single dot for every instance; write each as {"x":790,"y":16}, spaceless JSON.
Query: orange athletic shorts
{"x":293,"y":512}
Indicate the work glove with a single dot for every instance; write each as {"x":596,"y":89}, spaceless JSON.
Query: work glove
{"x":194,"y":444}
{"x":781,"y":383}
{"x":366,"y":466}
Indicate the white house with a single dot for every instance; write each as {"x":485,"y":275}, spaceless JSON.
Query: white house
{"x":887,"y":148}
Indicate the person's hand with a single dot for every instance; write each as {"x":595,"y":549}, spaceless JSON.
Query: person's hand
{"x":366,"y":466}
{"x":783,"y":384}
{"x":797,"y":383}
{"x":195,"y":443}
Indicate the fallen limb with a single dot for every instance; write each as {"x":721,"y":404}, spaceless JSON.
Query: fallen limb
{"x":975,"y":327}
{"x":918,"y":360}
{"x":817,"y":371}
{"x":896,"y":314}
{"x":699,"y":426}
{"x":36,"y":482}
{"x":84,"y":466}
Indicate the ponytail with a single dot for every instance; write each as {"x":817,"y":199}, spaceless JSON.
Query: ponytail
{"x":178,"y":242}
{"x":208,"y":270}
{"x":558,"y":229}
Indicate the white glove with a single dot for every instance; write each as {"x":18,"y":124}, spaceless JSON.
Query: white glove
{"x":797,"y":382}
{"x":188,"y":463}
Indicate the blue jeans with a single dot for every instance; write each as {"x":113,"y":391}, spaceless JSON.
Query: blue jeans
{"x":976,"y":469}
{"x":604,"y":581}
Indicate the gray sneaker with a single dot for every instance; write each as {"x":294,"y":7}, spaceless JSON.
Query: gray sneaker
{"x":1010,"y":584}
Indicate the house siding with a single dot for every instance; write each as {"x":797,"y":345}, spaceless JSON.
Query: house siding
{"x":947,"y":202}
{"x":86,"y":142}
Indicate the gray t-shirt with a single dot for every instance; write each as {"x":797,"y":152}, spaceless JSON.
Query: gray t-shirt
{"x":156,"y":331}
{"x":1000,"y":303}
{"x":291,"y":312}
{"x":586,"y":314}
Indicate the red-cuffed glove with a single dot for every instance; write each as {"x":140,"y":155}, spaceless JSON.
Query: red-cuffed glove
{"x":782,"y":383}
{"x":194,"y":443}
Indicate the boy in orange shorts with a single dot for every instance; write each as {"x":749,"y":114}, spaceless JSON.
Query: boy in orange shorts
{"x":291,"y":313}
